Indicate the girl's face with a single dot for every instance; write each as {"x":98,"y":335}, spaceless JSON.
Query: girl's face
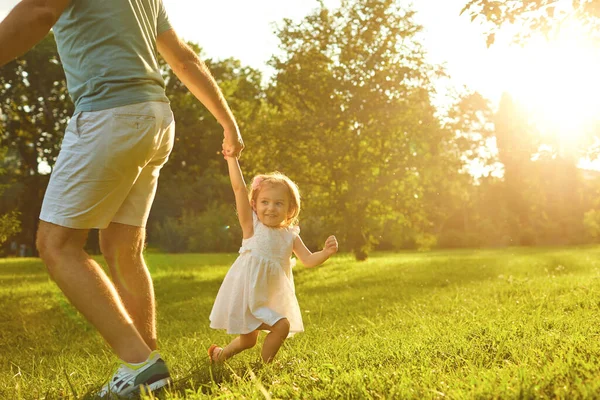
{"x":272,"y":205}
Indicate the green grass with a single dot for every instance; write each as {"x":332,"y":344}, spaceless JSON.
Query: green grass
{"x":517,"y":323}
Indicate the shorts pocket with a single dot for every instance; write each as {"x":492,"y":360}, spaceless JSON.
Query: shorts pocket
{"x":135,"y":121}
{"x":87,"y":120}
{"x":130,"y":141}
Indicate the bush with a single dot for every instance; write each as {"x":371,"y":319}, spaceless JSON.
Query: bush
{"x":591,"y":222}
{"x":9,"y":226}
{"x":216,"y":229}
{"x":455,"y":239}
{"x":170,"y":236}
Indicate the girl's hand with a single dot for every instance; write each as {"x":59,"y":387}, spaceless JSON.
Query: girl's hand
{"x":331,"y":245}
{"x":232,"y":143}
{"x":227,"y":153}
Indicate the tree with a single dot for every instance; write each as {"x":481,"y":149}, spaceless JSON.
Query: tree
{"x":456,"y":208}
{"x":9,"y":221}
{"x":517,"y":142}
{"x":198,"y":135}
{"x":542,"y":196}
{"x":543,"y":16}
{"x":35,"y":109}
{"x":349,"y":117}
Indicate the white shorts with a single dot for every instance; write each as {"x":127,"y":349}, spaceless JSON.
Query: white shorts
{"x":108,"y":166}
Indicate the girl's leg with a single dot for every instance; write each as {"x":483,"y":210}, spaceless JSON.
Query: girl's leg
{"x":277,"y":335}
{"x":240,"y":343}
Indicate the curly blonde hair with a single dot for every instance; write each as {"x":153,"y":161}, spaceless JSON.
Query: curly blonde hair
{"x":273,"y":179}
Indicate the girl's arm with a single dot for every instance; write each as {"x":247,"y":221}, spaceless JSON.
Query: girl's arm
{"x":311,"y":259}
{"x":240,"y":191}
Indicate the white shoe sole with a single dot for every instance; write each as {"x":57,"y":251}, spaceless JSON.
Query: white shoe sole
{"x":158,"y":384}
{"x":147,"y":388}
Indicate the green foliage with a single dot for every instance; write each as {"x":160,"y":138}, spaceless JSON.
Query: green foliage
{"x":9,"y":225}
{"x":214,"y":229}
{"x":534,"y":16}
{"x":192,"y":192}
{"x":455,"y":239}
{"x":35,"y":107}
{"x":502,"y":324}
{"x":34,"y":112}
{"x":454,"y":206}
{"x":9,"y":222}
{"x":349,"y":118}
{"x":347,"y":115}
{"x":542,"y":189}
{"x":198,"y":134}
{"x":591,"y":221}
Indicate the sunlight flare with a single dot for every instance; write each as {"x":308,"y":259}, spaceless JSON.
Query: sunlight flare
{"x":557,"y":82}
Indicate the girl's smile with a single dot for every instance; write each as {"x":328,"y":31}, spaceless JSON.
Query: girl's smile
{"x":272,"y":205}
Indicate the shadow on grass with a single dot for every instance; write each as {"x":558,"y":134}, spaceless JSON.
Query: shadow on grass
{"x":388,"y":281}
{"x":436,"y":271}
{"x":20,"y":271}
{"x":184,"y":299}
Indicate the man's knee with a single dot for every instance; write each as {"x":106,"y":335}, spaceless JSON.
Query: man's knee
{"x":120,"y":253}
{"x":42,"y":243}
{"x":53,"y":242}
{"x":47,"y":244}
{"x":116,"y":244}
{"x":109,"y":249}
{"x":115,"y":250}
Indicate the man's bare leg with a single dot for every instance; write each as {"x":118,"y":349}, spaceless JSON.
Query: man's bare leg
{"x":88,"y":288}
{"x":122,"y":247}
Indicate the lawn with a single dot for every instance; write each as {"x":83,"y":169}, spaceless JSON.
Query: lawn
{"x":511,"y":323}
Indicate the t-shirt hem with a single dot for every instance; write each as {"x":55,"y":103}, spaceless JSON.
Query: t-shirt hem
{"x":105,"y":105}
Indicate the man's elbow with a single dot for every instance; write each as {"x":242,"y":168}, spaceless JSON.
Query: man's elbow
{"x":185,"y":64}
{"x":180,"y":67}
{"x":176,"y":53}
{"x":44,"y":16}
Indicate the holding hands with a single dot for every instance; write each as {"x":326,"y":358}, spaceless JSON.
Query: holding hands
{"x":232,"y":143}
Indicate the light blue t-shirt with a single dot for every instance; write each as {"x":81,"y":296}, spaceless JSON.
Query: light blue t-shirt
{"x":108,"y":51}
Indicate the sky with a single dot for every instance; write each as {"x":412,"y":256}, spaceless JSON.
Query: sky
{"x":448,"y":38}
{"x":244,"y":30}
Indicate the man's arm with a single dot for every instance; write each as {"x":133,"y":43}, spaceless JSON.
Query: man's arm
{"x":197,"y":78}
{"x":26,"y":25}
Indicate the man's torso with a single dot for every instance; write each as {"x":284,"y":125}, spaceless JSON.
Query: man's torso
{"x":108,"y":50}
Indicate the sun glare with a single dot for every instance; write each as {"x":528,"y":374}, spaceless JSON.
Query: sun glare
{"x":558,"y":82}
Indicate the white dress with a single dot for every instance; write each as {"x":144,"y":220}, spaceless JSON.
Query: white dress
{"x":259,"y":286}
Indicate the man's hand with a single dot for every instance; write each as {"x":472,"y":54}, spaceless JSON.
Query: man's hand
{"x":232,"y":143}
{"x":194,"y":74}
{"x":331,"y":245}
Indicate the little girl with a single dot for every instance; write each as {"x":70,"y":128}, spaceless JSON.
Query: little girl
{"x":258,"y":291}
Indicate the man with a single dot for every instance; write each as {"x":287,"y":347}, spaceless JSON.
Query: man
{"x":105,"y":177}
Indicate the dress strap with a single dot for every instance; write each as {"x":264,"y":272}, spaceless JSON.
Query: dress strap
{"x":295,"y":230}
